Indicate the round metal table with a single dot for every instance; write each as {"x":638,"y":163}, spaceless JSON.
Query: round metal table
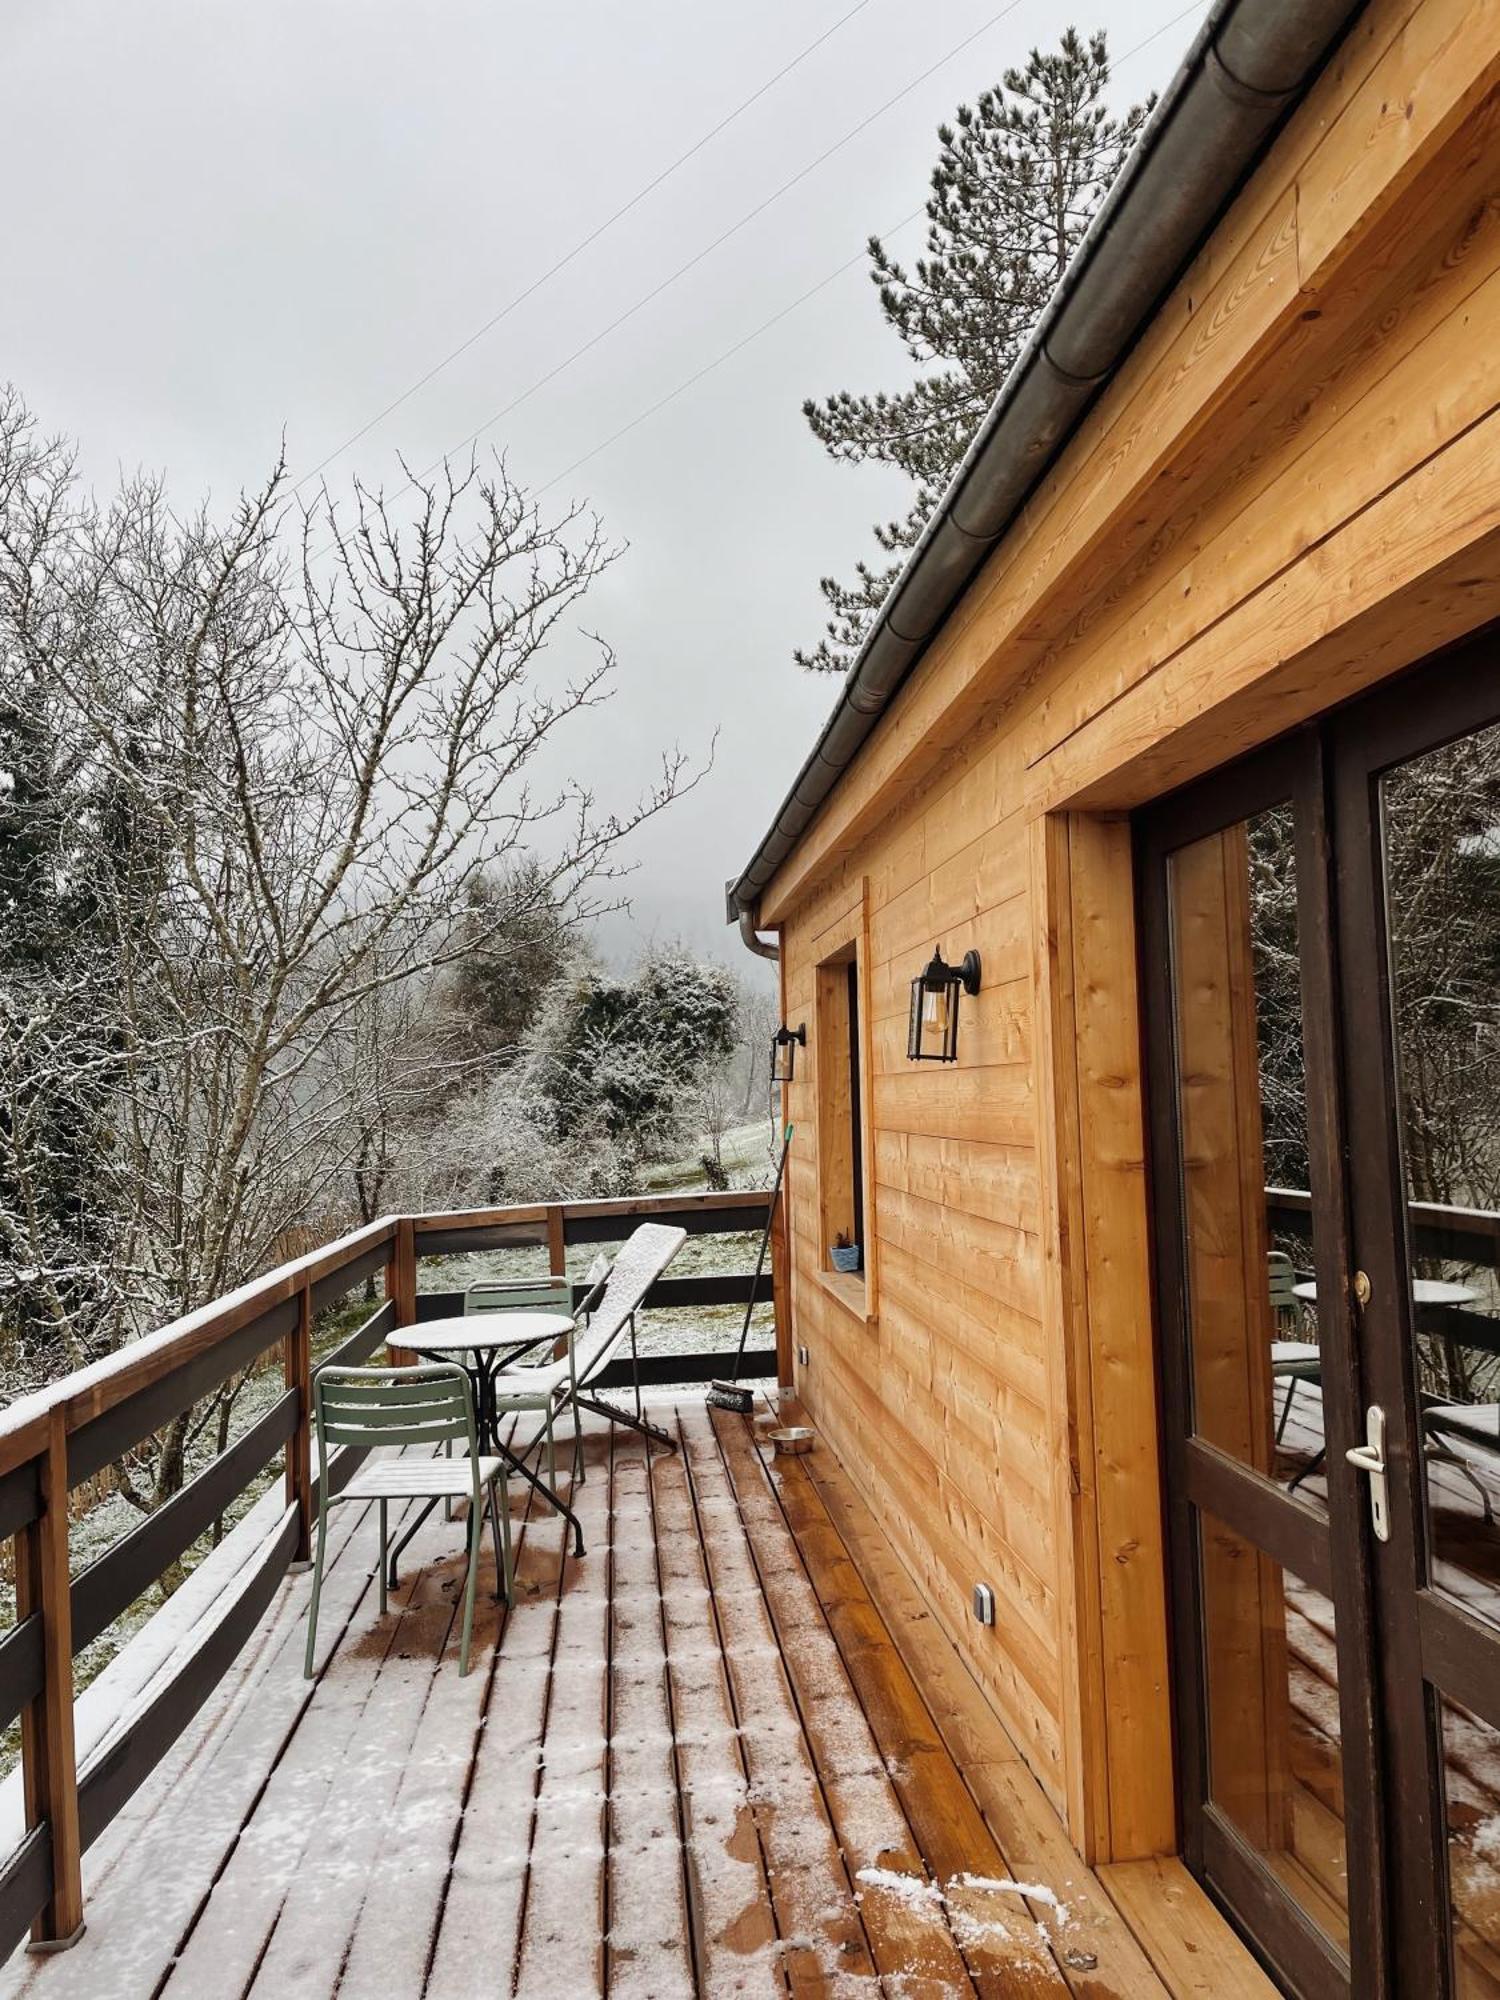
{"x":1424,"y":1291}
{"x":495,"y":1340}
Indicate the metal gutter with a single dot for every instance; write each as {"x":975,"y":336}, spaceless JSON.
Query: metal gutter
{"x":1250,"y":64}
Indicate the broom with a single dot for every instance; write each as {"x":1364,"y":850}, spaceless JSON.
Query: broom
{"x":729,"y":1395}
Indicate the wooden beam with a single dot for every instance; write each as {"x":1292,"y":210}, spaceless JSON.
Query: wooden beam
{"x":48,"y":1757}
{"x":557,"y":1248}
{"x":1102,"y":1363}
{"x":401,"y":1285}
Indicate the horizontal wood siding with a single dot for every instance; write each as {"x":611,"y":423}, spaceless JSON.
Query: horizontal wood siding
{"x":1291,"y":490}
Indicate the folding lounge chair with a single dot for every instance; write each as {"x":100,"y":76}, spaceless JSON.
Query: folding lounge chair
{"x":605,"y":1321}
{"x":428,"y":1405}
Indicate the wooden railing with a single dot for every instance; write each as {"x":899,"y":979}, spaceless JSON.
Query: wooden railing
{"x":1463,"y":1235}
{"x":51,"y":1441}
{"x":1440,"y":1230}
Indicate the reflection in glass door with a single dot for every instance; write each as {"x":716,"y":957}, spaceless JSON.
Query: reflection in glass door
{"x":1248,"y":1223}
{"x":1268,"y":1575}
{"x":1419,"y":811}
{"x":1321,"y":970}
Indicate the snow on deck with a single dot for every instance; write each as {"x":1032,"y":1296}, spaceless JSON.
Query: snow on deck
{"x":666,"y":1779}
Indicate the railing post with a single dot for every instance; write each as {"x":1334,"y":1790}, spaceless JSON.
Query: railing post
{"x":557,"y":1260}
{"x":298,"y":1368}
{"x":401,"y":1284}
{"x":781,"y":1292}
{"x":48,"y":1759}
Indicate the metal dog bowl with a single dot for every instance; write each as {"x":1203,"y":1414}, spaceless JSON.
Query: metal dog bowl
{"x":792,"y":1439}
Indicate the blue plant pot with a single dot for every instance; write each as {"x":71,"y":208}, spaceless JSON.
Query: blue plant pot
{"x":846,"y":1259}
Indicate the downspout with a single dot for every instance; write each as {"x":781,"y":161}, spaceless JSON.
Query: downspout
{"x":762,"y":947}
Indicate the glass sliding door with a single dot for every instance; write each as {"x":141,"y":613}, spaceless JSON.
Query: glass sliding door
{"x":1418,"y":826}
{"x":1321,"y":971}
{"x":1274,"y":1655}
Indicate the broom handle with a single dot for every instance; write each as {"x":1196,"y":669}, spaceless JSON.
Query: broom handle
{"x":760,"y":1262}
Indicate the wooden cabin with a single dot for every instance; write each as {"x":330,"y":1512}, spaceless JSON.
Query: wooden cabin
{"x":1185,"y":719}
{"x":1132,"y":1631}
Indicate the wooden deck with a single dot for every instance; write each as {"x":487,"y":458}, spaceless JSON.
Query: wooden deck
{"x":696,"y":1763}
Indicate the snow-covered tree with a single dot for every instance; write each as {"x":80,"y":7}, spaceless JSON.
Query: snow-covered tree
{"x":1020,"y":174}
{"x":321,"y":737}
{"x":59,"y":1012}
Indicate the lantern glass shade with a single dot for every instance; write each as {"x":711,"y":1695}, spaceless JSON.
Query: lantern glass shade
{"x":784,"y":1045}
{"x":932,"y":1033}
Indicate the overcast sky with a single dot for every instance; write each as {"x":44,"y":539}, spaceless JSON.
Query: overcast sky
{"x":230,"y":221}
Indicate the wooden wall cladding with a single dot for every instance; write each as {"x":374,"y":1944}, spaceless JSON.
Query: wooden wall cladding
{"x":1291,"y":490}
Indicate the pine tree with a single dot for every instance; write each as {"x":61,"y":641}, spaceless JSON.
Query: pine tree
{"x":1018,"y":180}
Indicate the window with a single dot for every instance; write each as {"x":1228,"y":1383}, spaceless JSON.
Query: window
{"x":840,"y":1107}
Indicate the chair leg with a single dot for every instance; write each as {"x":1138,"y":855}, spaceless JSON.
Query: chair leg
{"x":383,"y":1589}
{"x":317,"y":1591}
{"x":500,"y":1534}
{"x":1286,"y":1408}
{"x":395,"y":1555}
{"x":476,"y":1528}
{"x":551,"y":1451}
{"x":1444,"y":1453}
{"x":577,"y":1445}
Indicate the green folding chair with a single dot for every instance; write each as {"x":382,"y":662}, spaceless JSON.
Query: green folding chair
{"x":432,"y":1404}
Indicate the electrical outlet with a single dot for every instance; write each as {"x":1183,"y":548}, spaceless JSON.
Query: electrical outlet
{"x":801,"y":1357}
{"x":984,"y":1604}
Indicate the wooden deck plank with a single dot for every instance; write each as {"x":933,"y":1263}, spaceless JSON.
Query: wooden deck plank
{"x":734,"y":1927}
{"x":394,"y":1936}
{"x":667,"y":1780}
{"x":479,"y":1933}
{"x":904,"y":1916}
{"x":562,"y":1931}
{"x":650,"y":1934}
{"x":149,"y":1873}
{"x":1002,"y":1943}
{"x":300,"y":1821}
{"x":823,"y":1939}
{"x":1193,"y":1949}
{"x":341,"y":1861}
{"x":1030,"y":1835}
{"x":563,"y":1919}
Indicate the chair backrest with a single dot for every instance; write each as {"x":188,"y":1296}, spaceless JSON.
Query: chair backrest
{"x":641,"y":1261}
{"x":430,"y":1404}
{"x":488,"y":1295}
{"x":1281,"y":1275}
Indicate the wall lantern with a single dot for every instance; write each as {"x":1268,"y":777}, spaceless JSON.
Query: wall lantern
{"x":784,"y":1046}
{"x":933,"y":1034}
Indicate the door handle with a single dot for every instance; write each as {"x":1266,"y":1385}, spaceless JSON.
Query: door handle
{"x":1369,"y":1458}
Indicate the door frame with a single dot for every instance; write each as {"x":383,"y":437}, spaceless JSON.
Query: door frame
{"x":1331,"y":1555}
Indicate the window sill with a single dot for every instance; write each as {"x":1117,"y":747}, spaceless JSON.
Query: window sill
{"x":848,"y":1287}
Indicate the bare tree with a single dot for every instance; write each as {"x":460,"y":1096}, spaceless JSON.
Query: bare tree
{"x":321,"y":734}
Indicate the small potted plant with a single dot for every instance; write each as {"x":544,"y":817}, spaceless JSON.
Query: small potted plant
{"x":845,"y":1254}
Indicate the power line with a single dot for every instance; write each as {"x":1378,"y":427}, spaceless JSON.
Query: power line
{"x":733,"y":230}
{"x":584,"y":242}
{"x":794,"y":305}
{"x":719,"y":359}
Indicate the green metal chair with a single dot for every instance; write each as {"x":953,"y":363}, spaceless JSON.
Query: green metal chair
{"x":428,"y":1405}
{"x":1296,"y":1360}
{"x":487,"y":1295}
{"x":502,"y":1295}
